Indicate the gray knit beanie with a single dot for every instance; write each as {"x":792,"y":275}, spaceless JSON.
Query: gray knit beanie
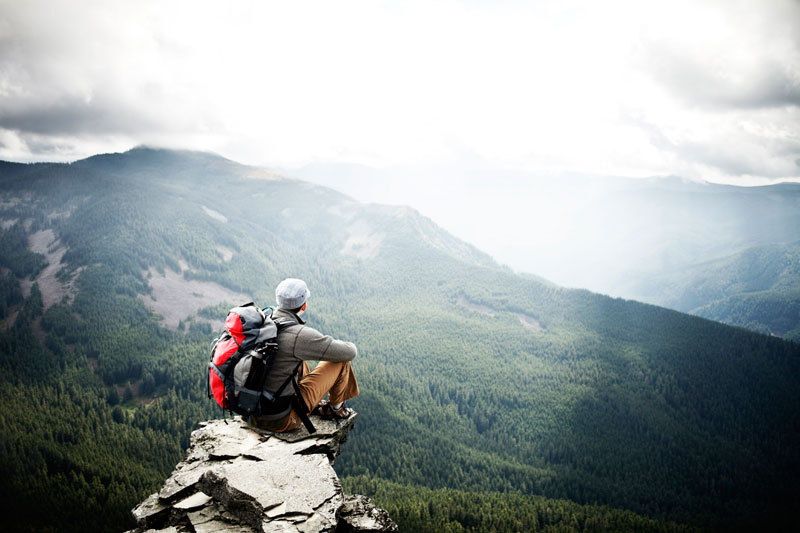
{"x":291,"y":293}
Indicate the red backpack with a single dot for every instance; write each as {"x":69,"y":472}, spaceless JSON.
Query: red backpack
{"x":241,"y":358}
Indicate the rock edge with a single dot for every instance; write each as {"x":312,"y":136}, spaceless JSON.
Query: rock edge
{"x":236,"y":478}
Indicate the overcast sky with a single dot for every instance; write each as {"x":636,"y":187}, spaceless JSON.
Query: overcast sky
{"x":702,"y":89}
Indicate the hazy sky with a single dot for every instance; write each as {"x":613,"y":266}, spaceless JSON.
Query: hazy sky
{"x":702,"y":89}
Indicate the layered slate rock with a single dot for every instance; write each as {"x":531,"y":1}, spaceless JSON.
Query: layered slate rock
{"x":236,"y":478}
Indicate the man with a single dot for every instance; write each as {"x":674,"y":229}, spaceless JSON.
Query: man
{"x":296,"y":345}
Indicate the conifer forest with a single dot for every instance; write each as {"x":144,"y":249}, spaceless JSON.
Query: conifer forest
{"x":490,"y":401}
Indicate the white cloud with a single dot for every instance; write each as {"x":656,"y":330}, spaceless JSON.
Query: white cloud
{"x":703,"y":89}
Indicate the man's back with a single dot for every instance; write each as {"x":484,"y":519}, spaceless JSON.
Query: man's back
{"x":302,"y":343}
{"x":303,"y":390}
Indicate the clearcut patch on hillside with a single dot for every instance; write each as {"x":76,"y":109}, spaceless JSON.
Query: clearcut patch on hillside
{"x":53,"y":291}
{"x":216,"y":215}
{"x":527,"y":321}
{"x":482,"y":309}
{"x":227,"y":253}
{"x":176,"y":298}
{"x":362,"y":243}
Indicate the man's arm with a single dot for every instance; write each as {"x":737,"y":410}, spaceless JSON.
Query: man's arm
{"x":314,"y":346}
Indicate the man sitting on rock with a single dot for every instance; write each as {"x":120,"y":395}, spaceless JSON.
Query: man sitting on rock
{"x":298,"y":343}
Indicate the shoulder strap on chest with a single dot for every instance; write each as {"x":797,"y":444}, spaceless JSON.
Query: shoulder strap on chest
{"x":282,"y":323}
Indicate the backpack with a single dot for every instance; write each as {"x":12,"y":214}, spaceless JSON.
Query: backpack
{"x":241,"y":358}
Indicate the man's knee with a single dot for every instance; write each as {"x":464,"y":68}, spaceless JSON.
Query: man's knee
{"x":333,"y":366}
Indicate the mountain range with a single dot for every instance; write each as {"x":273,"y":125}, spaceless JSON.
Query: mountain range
{"x":479,"y":386}
{"x":724,"y":252}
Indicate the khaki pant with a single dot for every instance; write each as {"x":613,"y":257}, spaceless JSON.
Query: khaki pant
{"x":335,"y":379}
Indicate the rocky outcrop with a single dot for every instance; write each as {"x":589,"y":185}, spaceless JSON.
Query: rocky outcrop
{"x":238,"y":478}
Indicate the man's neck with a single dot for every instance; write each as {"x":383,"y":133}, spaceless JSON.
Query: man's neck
{"x":286,"y":312}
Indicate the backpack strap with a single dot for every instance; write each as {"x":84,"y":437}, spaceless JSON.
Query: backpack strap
{"x":284,"y":322}
{"x":300,"y":405}
{"x":211,"y":360}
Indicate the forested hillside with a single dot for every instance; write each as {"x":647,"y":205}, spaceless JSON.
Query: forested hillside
{"x":478,"y":385}
{"x":757,"y":288}
{"x":721,"y":252}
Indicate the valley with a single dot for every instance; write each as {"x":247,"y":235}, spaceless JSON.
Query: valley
{"x":479,"y":385}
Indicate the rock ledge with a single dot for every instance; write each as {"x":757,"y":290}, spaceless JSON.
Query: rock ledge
{"x":238,"y":478}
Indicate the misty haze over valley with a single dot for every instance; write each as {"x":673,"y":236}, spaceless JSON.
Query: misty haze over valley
{"x":691,"y":246}
{"x":116,"y":269}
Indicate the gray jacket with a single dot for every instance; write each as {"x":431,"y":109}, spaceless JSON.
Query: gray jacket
{"x":301,"y":343}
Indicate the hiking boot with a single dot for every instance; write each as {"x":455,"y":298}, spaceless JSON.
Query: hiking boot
{"x":329,"y":413}
{"x":318,"y":410}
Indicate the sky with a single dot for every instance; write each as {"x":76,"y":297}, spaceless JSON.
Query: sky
{"x":461,"y":109}
{"x":707,"y":90}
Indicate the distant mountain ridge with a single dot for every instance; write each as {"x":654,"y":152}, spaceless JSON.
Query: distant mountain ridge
{"x":194,"y":166}
{"x":661,"y":240}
